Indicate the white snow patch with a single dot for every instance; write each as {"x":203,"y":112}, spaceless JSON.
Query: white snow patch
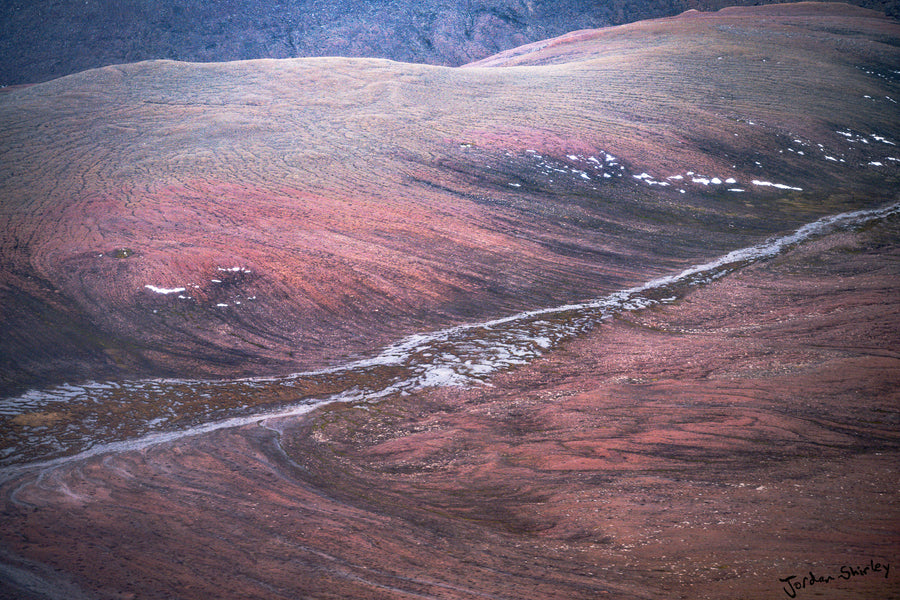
{"x":779,"y":186}
{"x":161,"y":290}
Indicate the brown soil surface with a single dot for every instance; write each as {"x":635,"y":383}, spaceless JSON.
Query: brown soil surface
{"x":314,"y":210}
{"x":707,"y":449}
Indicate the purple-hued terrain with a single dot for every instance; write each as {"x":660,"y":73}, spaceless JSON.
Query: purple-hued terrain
{"x":612,"y":314}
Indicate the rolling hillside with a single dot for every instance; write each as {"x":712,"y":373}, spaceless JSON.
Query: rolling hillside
{"x":612,"y":315}
{"x":179,"y":219}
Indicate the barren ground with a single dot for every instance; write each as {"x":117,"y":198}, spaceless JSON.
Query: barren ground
{"x":702,"y":450}
{"x":312,"y":211}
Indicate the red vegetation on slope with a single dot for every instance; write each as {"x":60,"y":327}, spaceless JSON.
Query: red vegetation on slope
{"x":430,"y":195}
{"x":702,"y":450}
{"x":709,"y":448}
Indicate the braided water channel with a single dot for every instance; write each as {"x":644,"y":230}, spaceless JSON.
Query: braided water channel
{"x":73,"y":421}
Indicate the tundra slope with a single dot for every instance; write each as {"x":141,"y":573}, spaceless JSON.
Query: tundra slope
{"x":705,"y":449}
{"x":261,"y":217}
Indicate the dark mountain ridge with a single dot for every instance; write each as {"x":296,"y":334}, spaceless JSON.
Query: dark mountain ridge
{"x":45,"y":39}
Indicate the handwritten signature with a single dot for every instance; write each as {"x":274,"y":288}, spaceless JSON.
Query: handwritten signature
{"x":847,"y":572}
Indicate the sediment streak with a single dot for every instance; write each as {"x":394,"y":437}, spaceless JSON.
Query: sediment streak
{"x":462,"y":355}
